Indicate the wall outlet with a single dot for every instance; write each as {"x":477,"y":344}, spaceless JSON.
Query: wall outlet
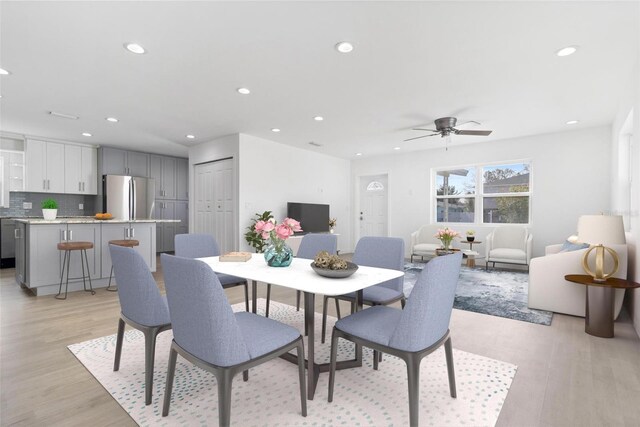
{"x":81,"y":206}
{"x":26,"y":205}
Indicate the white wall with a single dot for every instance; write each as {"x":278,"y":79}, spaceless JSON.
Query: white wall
{"x":630,"y":101}
{"x":569,"y":171}
{"x":272,"y":174}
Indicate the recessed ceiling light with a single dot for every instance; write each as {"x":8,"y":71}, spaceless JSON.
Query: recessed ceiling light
{"x":191,"y":136}
{"x":243,"y":91}
{"x":275,"y":130}
{"x":344,"y":47}
{"x":86,"y":134}
{"x":566,"y":51}
{"x":318,"y":118}
{"x":112,"y":119}
{"x":134,"y":48}
{"x":63,"y":115}
{"x":573,"y":122}
{"x":4,"y":72}
{"x":396,"y":148}
{"x":358,"y":154}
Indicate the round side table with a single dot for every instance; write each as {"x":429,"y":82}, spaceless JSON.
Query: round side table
{"x":471,"y":254}
{"x":598,"y":319}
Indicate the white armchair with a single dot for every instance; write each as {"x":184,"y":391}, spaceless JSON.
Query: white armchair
{"x":508,"y":245}
{"x":549,"y":291}
{"x":424,"y":243}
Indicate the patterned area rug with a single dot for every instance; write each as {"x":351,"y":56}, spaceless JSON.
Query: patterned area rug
{"x":363,"y":397}
{"x":495,"y":292}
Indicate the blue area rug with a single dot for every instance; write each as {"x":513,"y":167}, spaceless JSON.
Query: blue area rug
{"x":494,"y":292}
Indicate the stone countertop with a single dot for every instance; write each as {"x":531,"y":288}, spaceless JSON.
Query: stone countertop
{"x":88,"y":220}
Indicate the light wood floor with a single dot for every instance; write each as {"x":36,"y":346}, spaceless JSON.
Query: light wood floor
{"x":564,"y":378}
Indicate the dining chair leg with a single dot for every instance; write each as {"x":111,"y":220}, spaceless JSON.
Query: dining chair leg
{"x":246,"y":296}
{"x":149,"y":359}
{"x":338,"y":308}
{"x":375,"y":359}
{"x":301,"y":377}
{"x":224,"y":378}
{"x":245,"y":375}
{"x":332,"y":369}
{"x":119,"y":339}
{"x":268,"y":299}
{"x":171,"y":370}
{"x":298,"y":295}
{"x":413,"y":378}
{"x":403,"y":302}
{"x":450,"y":370}
{"x":325,"y":300}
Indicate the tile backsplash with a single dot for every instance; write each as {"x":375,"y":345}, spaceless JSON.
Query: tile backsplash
{"x":68,"y":204}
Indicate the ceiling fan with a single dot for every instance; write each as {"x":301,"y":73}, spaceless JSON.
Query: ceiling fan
{"x":445,"y":126}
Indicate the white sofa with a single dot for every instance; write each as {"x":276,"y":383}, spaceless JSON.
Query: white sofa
{"x":424,"y":243}
{"x":549,"y":291}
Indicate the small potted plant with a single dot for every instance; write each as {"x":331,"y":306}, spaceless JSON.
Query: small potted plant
{"x":49,"y":209}
{"x":332,"y":224}
{"x":471,"y":235}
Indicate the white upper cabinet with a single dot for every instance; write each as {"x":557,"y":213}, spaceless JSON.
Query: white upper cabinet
{"x":45,"y":168}
{"x":81,"y":171}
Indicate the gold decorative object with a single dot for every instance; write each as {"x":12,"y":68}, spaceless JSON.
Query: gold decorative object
{"x":600,"y":230}
{"x":599,"y":275}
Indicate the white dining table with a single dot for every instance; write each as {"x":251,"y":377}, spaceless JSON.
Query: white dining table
{"x":300,"y":276}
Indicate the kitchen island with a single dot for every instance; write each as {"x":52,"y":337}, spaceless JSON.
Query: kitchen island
{"x":39,"y":262}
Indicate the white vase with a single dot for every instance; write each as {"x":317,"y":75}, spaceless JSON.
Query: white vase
{"x":49,"y":214}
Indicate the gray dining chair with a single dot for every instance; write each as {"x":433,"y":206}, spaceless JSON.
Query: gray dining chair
{"x":383,"y":252}
{"x":310,"y":245}
{"x":205,"y":245}
{"x":207,"y":333}
{"x":141,"y":306}
{"x":412,"y":333}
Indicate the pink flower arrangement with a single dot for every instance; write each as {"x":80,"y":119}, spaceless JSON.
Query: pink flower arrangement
{"x":278,"y":233}
{"x":446,"y":236}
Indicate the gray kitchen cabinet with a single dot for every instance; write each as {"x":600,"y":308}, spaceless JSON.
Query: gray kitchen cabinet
{"x":163,"y":170}
{"x":145,"y":233}
{"x":182,"y":179}
{"x":182,"y":214}
{"x":122,"y":162}
{"x":20,"y":235}
{"x":42,"y":247}
{"x":166,"y":231}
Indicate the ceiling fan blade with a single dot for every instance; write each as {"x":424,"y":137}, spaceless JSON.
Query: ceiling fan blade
{"x":426,"y":130}
{"x":473,"y":132}
{"x":418,"y":137}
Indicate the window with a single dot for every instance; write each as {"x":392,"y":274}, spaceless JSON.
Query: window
{"x":487,"y":194}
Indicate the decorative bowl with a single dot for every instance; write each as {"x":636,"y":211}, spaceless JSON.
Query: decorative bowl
{"x":335,"y":274}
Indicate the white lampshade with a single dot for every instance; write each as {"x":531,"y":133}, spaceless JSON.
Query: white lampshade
{"x":601,"y":229}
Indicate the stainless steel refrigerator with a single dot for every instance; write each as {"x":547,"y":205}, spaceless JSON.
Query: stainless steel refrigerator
{"x":129,"y":197}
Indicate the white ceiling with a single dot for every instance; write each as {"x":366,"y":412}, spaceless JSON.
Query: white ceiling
{"x":413,"y":62}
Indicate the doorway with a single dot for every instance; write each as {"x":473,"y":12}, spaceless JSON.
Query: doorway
{"x":215,"y":202}
{"x":373,"y":213}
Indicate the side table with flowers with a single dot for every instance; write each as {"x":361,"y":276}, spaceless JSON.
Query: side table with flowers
{"x":446,"y":236}
{"x":277,"y":253}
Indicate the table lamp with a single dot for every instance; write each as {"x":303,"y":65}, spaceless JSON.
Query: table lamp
{"x":600,"y":230}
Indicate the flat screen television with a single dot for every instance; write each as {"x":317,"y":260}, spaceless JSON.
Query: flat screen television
{"x":314,"y":218}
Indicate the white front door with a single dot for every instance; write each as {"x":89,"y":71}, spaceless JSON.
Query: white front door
{"x":215,"y":202}
{"x":373,"y":206}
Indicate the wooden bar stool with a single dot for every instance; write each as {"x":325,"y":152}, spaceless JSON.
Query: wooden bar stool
{"x":127,"y":244}
{"x":69,"y":247}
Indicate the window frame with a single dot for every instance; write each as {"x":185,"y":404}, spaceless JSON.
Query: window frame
{"x":479,"y":195}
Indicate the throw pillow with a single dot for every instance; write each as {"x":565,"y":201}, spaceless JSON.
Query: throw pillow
{"x":570,"y":247}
